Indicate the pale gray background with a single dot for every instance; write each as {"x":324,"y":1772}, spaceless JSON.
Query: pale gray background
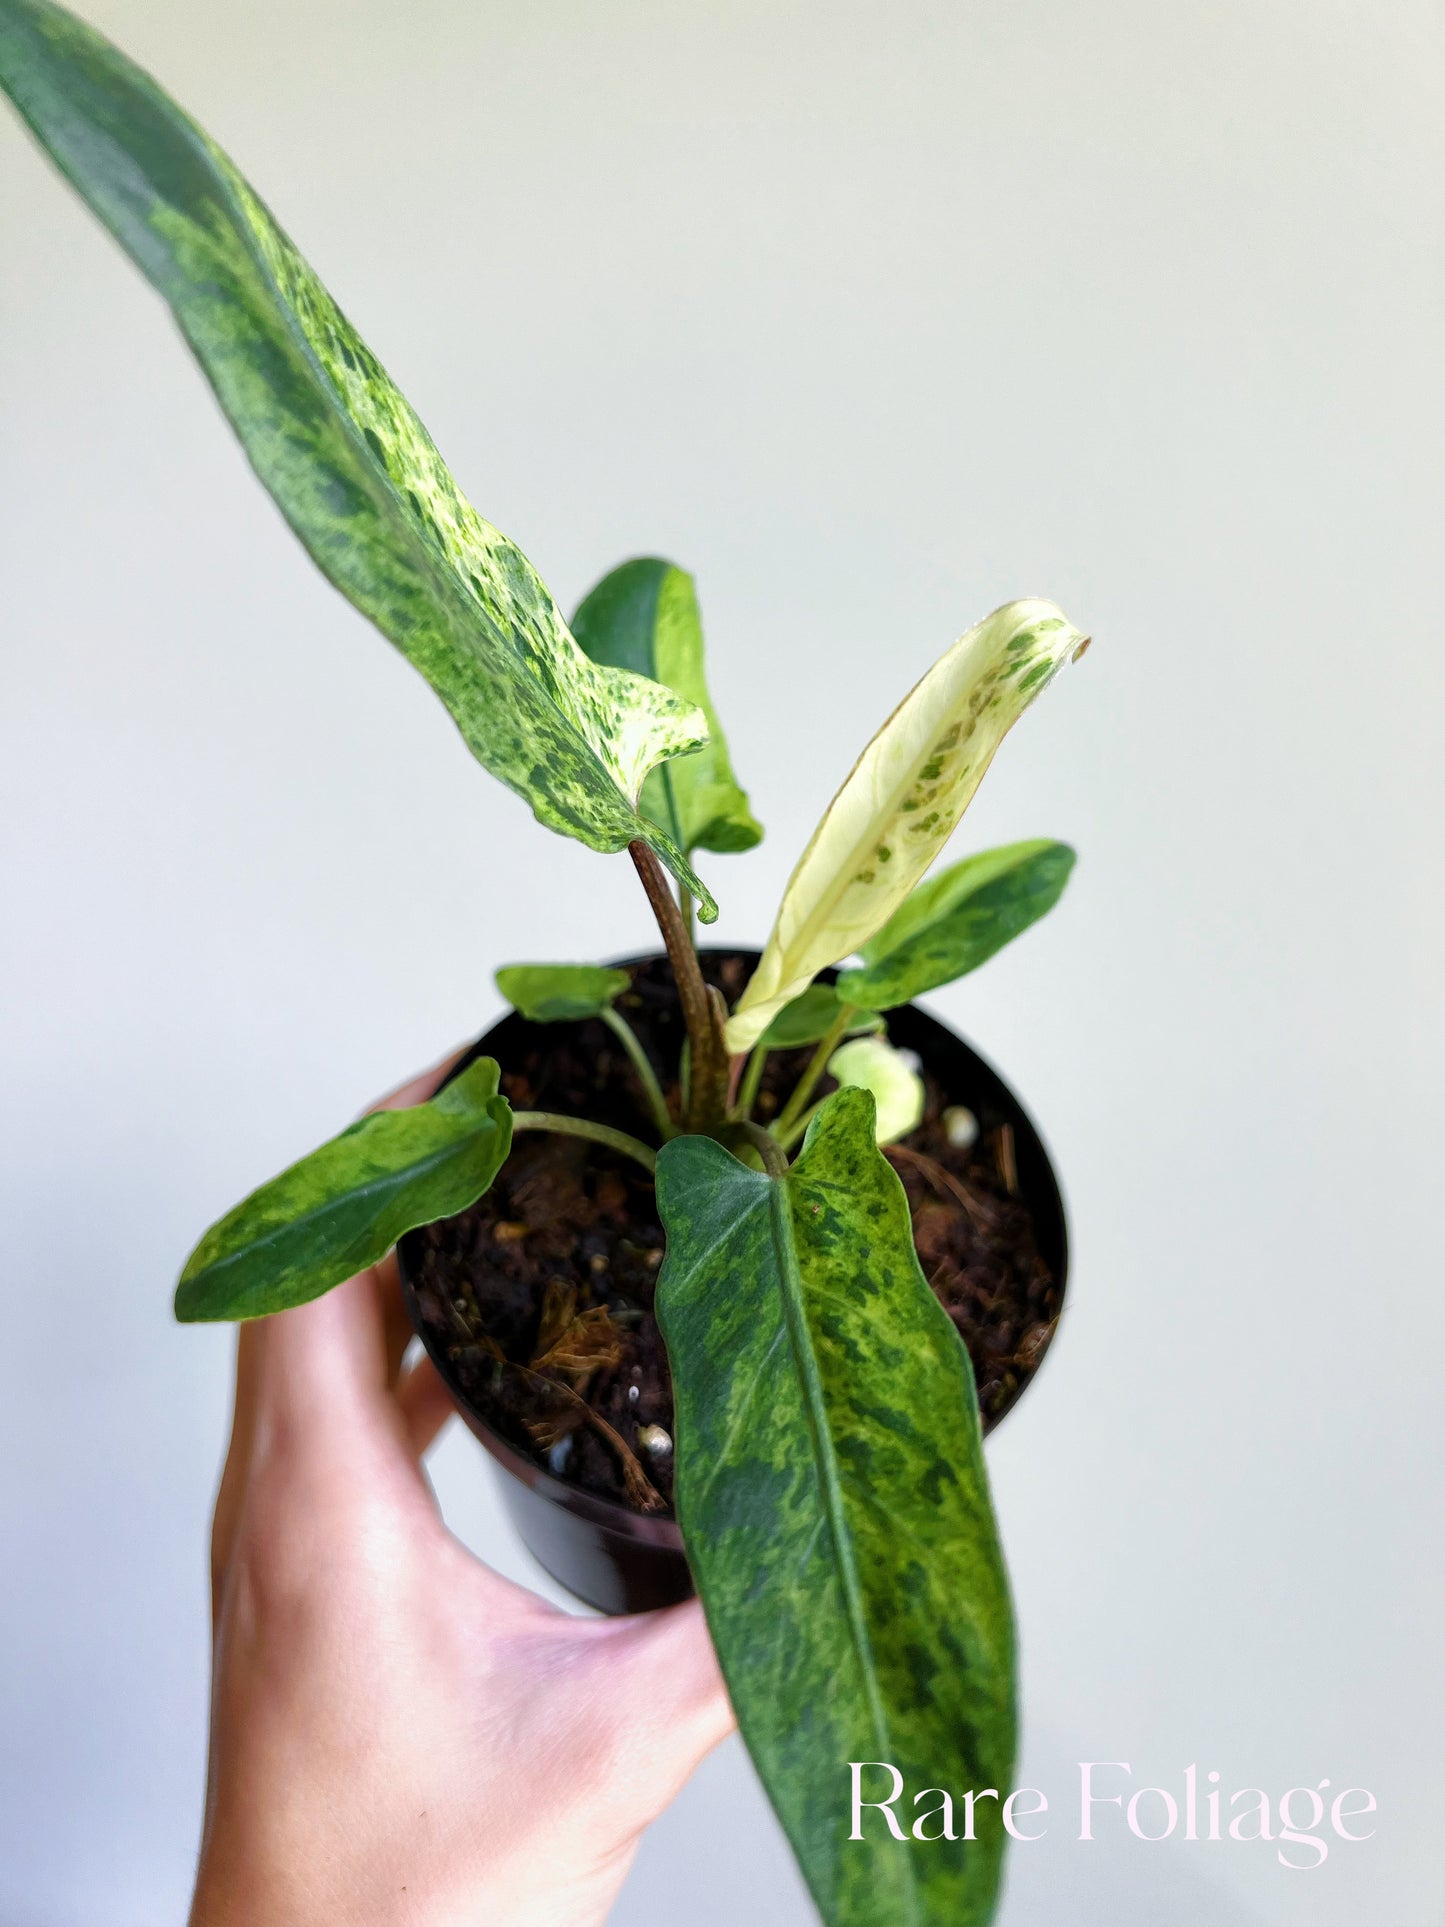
{"x":873,"y":318}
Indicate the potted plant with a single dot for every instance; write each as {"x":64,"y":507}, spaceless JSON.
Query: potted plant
{"x":663,"y":1229}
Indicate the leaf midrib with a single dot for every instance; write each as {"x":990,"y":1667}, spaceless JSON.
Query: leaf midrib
{"x":844,"y":873}
{"x":437,"y":567}
{"x":826,"y":1464}
{"x":434,"y":564}
{"x":422,"y":1168}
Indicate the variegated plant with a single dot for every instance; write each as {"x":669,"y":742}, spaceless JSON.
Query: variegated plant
{"x":830,"y":1479}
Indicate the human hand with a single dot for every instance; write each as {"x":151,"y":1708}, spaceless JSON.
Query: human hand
{"x":399,"y":1737}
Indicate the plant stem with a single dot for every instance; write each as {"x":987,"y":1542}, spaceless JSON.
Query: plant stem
{"x":642,"y":1064}
{"x":817,"y":1064}
{"x":707,"y":1099}
{"x":752,"y":1078}
{"x":763,"y":1142}
{"x":630,"y":1147}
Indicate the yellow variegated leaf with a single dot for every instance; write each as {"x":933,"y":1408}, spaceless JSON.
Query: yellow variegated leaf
{"x":833,"y":1497}
{"x":903,"y":799}
{"x":342,"y":452}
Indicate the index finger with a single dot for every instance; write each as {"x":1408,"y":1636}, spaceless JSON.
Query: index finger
{"x":251,"y":1345}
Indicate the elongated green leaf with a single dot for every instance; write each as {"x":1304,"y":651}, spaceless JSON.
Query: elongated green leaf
{"x":344,"y":1207}
{"x":833,"y":1499}
{"x":553,"y":993}
{"x":809,"y":1018}
{"x":956,"y":921}
{"x":903,"y":799}
{"x":347,"y":461}
{"x":644,"y":617}
{"x":872,"y":1064}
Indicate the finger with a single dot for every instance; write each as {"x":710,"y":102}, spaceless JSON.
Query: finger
{"x":425,"y":1405}
{"x":395,"y":1319}
{"x":686,"y":1697}
{"x":238,"y":1461}
{"x":323,"y":1369}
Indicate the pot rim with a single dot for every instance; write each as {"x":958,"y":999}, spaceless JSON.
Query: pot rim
{"x":613,"y":1515}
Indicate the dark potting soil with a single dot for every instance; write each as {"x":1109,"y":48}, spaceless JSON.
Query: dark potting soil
{"x":542,"y":1293}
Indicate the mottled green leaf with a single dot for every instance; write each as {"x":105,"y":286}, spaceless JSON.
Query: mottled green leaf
{"x":956,"y":921}
{"x":834,"y":1503}
{"x":644,"y":617}
{"x":349,"y":464}
{"x":872,"y":1064}
{"x":553,"y":993}
{"x":809,"y":1018}
{"x":903,"y":799}
{"x":344,"y":1207}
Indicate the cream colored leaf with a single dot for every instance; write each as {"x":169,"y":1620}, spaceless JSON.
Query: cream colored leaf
{"x":903,"y":799}
{"x":871,"y":1064}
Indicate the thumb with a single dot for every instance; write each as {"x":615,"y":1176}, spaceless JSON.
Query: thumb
{"x":676,"y":1693}
{"x":323,"y":1372}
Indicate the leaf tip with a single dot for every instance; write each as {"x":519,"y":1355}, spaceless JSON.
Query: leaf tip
{"x":673,"y":857}
{"x":187,"y":1306}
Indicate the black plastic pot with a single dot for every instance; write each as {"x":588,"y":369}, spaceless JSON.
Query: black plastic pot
{"x":624,"y":1561}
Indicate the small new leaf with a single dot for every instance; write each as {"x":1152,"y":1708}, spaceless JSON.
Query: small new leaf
{"x":644,"y":617}
{"x":954,"y":922}
{"x":344,"y":1207}
{"x":903,"y":799}
{"x":833,"y":1499}
{"x":342,"y":452}
{"x":809,"y":1018}
{"x":871,"y":1064}
{"x":553,"y":993}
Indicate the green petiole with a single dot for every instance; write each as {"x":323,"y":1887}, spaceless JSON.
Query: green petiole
{"x":817,"y":1064}
{"x":630,"y":1147}
{"x":642,"y":1064}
